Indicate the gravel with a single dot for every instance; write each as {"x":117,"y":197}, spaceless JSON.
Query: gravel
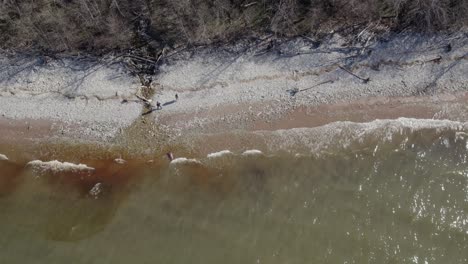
{"x":401,"y":65}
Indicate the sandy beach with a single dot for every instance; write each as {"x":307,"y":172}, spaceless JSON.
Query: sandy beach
{"x":226,"y":91}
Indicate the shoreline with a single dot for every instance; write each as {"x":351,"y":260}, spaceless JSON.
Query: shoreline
{"x":135,"y":142}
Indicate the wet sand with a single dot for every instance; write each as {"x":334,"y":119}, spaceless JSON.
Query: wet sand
{"x":16,"y":131}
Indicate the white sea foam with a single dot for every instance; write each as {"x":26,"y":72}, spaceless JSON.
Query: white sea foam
{"x":219,"y":154}
{"x":3,"y":157}
{"x":184,"y":160}
{"x":57,"y":166}
{"x":252,"y":152}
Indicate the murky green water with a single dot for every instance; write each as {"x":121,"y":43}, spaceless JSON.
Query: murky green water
{"x":399,"y":201}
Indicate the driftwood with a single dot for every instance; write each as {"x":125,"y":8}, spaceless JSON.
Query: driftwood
{"x":140,"y":58}
{"x":293,"y":92}
{"x":435,"y":60}
{"x":249,"y":4}
{"x":147,"y":102}
{"x":364,"y":80}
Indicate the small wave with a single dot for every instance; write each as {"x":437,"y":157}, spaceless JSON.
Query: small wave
{"x":57,"y":166}
{"x":3,"y":157}
{"x":219,"y":154}
{"x":299,"y":155}
{"x":344,"y":133}
{"x":252,"y":152}
{"x":184,"y":160}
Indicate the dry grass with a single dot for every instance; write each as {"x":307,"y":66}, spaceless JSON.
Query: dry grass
{"x":97,"y":26}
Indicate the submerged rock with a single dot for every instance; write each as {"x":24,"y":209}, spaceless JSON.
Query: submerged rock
{"x":96,"y":190}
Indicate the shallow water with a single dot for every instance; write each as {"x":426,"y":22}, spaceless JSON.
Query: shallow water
{"x":398,"y":200}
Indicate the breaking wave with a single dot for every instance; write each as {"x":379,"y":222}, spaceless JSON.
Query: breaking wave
{"x":57,"y":166}
{"x":219,"y":154}
{"x":345,"y":134}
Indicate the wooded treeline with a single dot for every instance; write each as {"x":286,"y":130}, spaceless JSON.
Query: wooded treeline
{"x":100,"y":26}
